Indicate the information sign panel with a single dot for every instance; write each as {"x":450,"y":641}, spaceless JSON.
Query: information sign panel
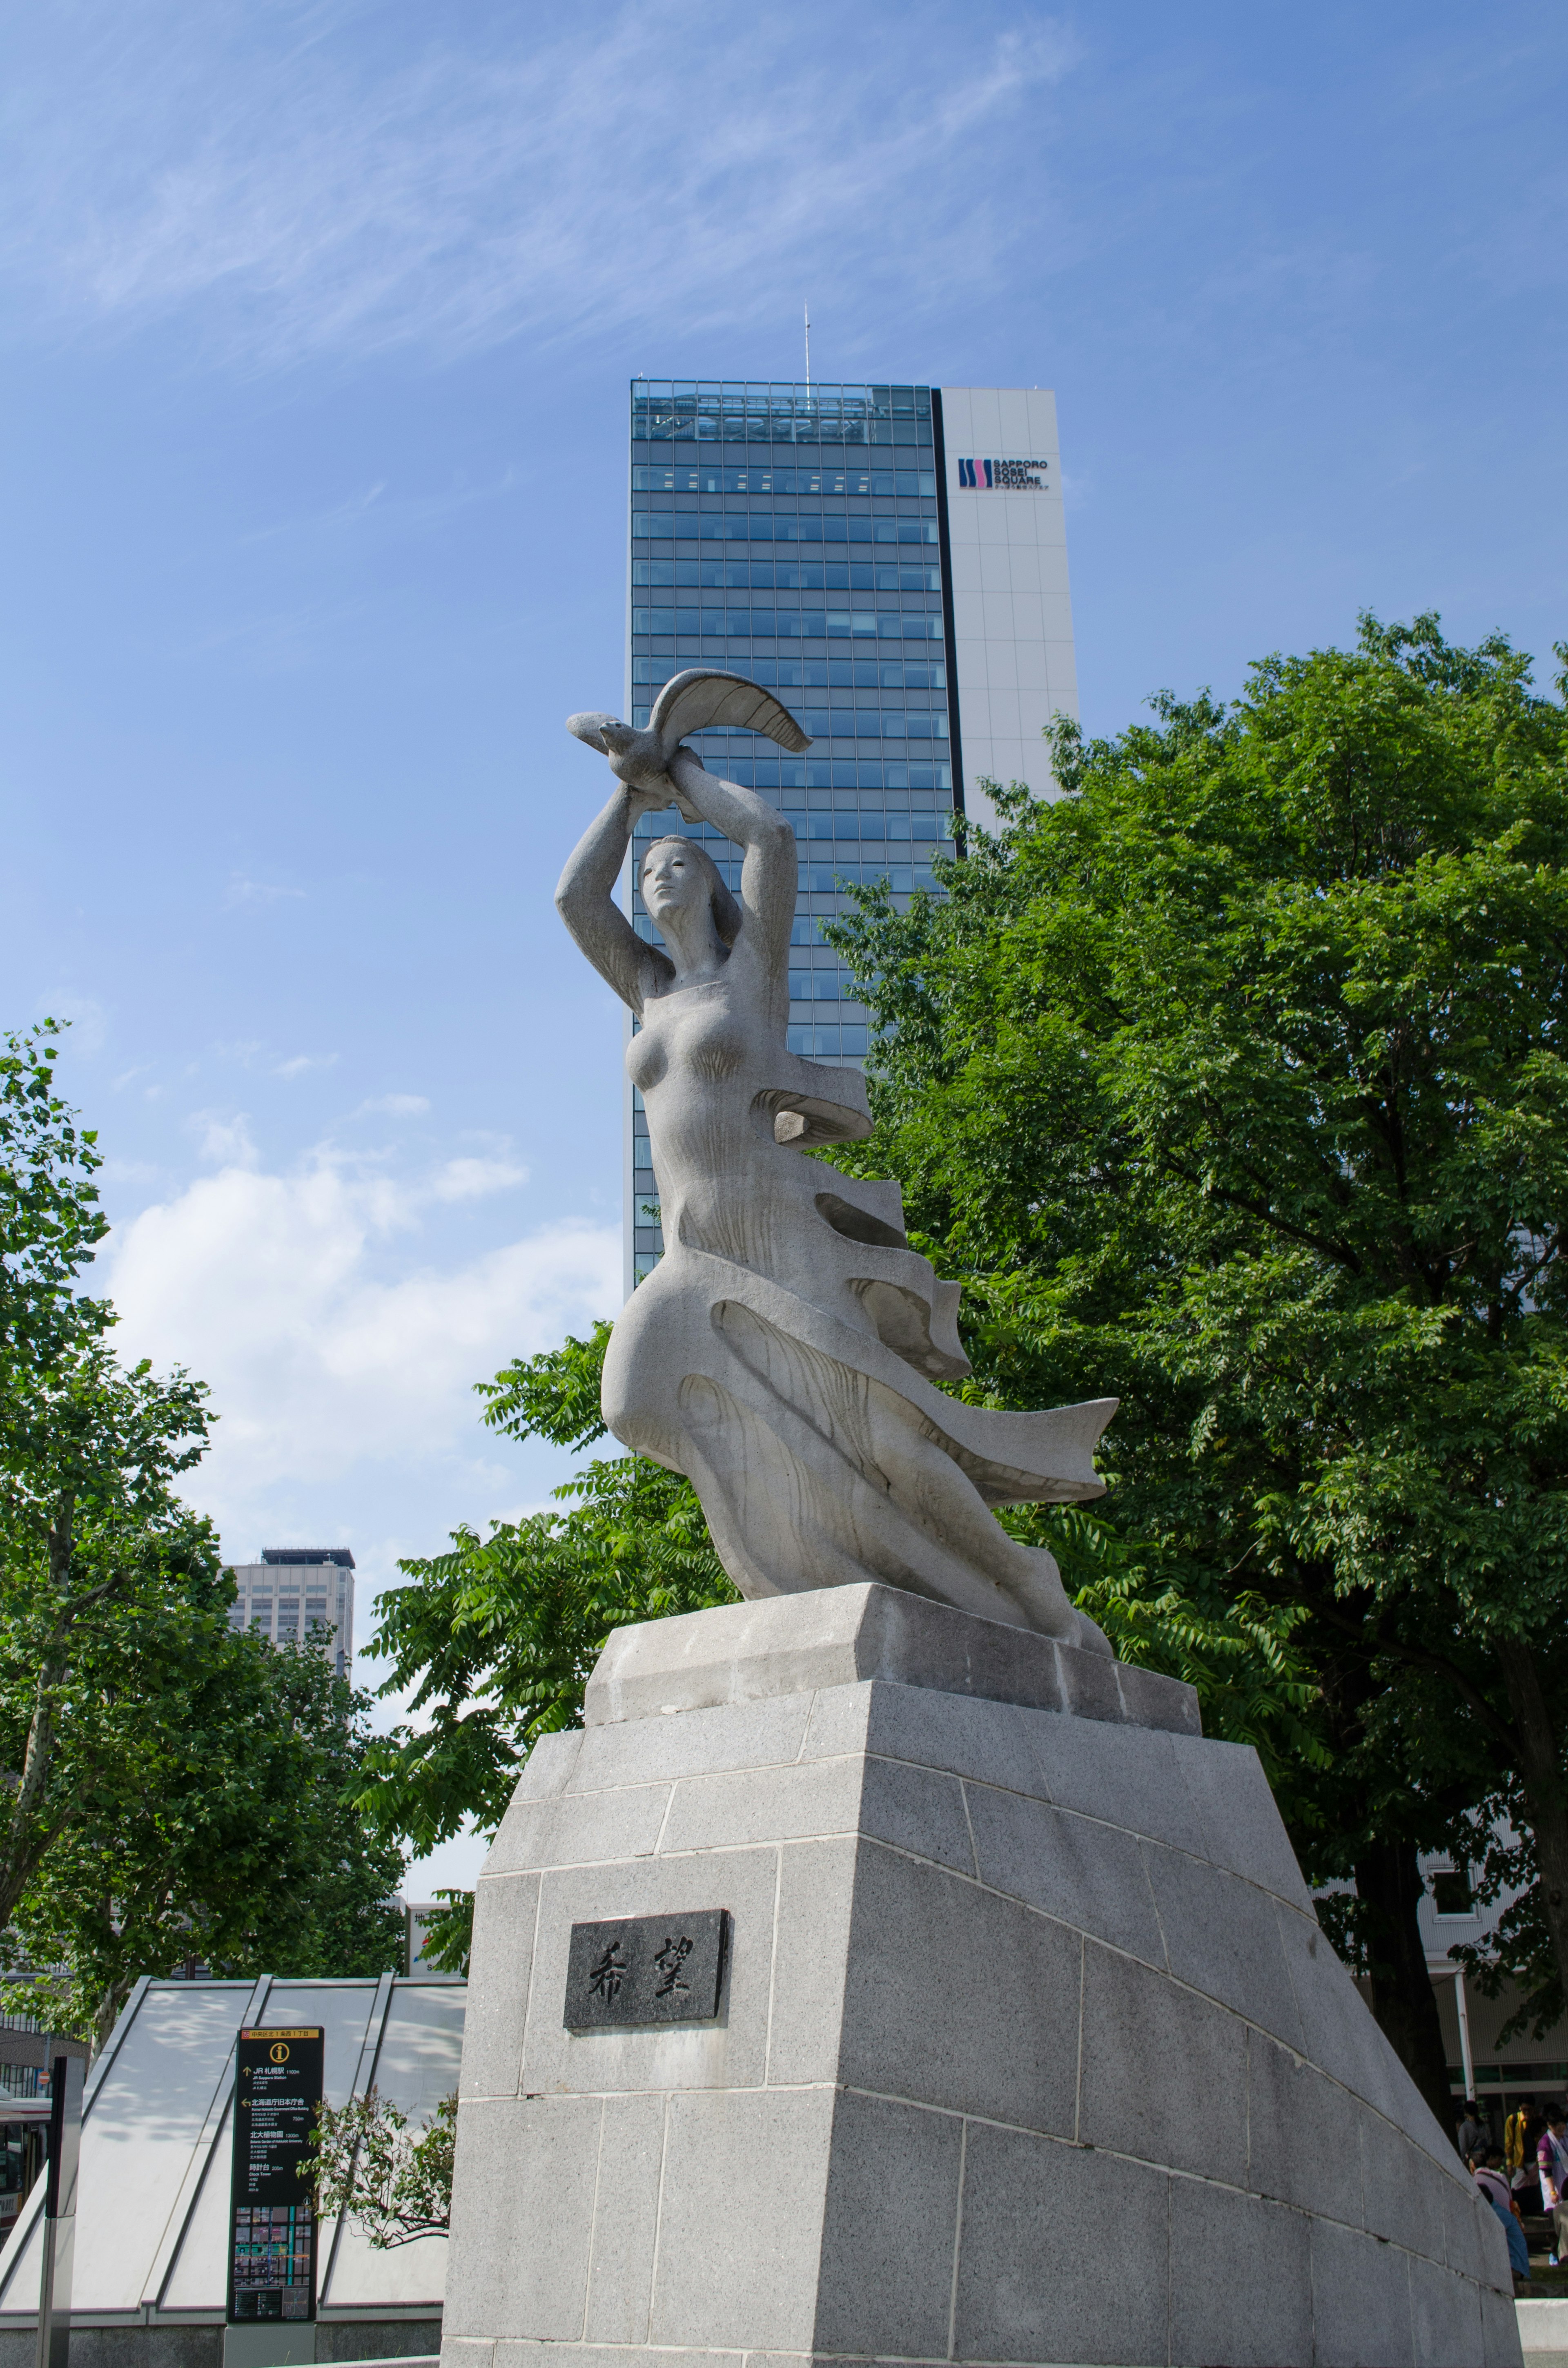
{"x":272,"y":2227}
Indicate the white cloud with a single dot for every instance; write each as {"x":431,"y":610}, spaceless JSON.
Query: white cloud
{"x":392,"y":1106}
{"x":313,"y":191}
{"x":472,"y":1179}
{"x":328,"y":1348}
{"x":302,"y":1062}
{"x":224,"y":1140}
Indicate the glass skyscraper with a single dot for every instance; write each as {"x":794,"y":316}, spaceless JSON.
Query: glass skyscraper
{"x":831,"y":542}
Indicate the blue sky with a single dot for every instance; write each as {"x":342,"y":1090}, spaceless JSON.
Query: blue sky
{"x":318,"y":320}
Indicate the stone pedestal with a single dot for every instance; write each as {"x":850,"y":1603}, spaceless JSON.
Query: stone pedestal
{"x":1029,"y":2048}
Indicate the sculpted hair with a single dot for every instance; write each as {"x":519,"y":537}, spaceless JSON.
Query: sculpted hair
{"x":726,"y":912}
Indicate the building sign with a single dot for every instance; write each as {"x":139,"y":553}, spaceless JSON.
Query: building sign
{"x":272,"y":2225}
{"x":1005,"y":476}
{"x":644,"y":1969}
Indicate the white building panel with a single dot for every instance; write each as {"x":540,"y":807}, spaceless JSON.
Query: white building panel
{"x":1012,"y":604}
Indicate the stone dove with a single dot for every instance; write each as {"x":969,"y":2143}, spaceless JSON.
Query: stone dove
{"x":688,"y":702}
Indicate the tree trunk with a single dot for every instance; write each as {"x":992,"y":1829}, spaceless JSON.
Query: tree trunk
{"x":1388,"y":1888}
{"x":1541,"y":1772}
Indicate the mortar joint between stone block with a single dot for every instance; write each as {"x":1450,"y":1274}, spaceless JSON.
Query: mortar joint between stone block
{"x":594,"y":2221}
{"x":958,"y":2241}
{"x":658,"y":2222}
{"x":773,"y":1963}
{"x":664,"y":1821}
{"x":969,"y":1827}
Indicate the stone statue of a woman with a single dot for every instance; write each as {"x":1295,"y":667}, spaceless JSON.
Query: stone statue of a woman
{"x":778,"y":1354}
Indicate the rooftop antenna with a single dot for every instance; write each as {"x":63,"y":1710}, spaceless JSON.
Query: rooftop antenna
{"x":808,"y":312}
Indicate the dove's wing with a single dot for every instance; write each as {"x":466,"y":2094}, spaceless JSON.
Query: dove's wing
{"x":699,"y":697}
{"x":586,"y":727}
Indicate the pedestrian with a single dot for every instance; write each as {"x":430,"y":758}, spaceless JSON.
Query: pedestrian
{"x":1474,"y":2136}
{"x":1552,"y":2155}
{"x":1491,"y":2180}
{"x":1526,"y":2181}
{"x":1514,"y":2142}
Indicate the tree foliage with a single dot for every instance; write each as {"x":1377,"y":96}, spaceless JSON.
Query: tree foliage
{"x":1232,"y":1083}
{"x":367,"y":2165}
{"x":50,"y":1219}
{"x":494,"y":1641}
{"x":171,"y":1790}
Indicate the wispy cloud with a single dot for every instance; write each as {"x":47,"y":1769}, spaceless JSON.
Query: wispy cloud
{"x":241,"y":890}
{"x":392,"y":1106}
{"x":300,"y":1063}
{"x":313,"y":195}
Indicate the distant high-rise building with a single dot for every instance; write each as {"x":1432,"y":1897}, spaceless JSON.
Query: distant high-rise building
{"x":892,"y":561}
{"x":295,"y":1590}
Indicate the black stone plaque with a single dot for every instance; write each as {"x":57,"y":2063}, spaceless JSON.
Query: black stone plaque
{"x":644,"y":1969}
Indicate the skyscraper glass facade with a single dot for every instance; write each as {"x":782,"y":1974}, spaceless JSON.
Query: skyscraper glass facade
{"x":799,"y":535}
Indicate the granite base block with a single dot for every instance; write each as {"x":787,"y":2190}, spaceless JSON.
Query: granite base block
{"x":1028,"y":2049}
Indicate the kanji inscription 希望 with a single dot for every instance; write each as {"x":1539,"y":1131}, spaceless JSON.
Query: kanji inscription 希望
{"x":643,"y":1969}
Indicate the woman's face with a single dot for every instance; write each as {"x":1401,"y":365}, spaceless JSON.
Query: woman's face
{"x":673,"y":879}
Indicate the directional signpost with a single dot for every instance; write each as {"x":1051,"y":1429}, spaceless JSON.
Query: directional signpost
{"x":272,"y":2222}
{"x":60,"y":2211}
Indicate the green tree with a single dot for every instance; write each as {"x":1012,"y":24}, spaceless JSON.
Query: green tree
{"x":88,"y":1457}
{"x":199,"y":1801}
{"x":495,"y":1640}
{"x":171,"y":1789}
{"x":1232,"y":1083}
{"x":367,"y":2165}
{"x":50,"y":1219}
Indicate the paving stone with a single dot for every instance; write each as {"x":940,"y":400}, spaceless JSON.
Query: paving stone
{"x":547,"y":1770}
{"x":579,"y":1830}
{"x":1500,"y":2332}
{"x":994,"y":1741}
{"x":1136,"y":1786}
{"x":1403,"y":2194}
{"x":837,"y":1721}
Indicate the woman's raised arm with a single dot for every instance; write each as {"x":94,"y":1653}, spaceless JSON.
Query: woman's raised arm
{"x":769,"y":872}
{"x":586,"y":904}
